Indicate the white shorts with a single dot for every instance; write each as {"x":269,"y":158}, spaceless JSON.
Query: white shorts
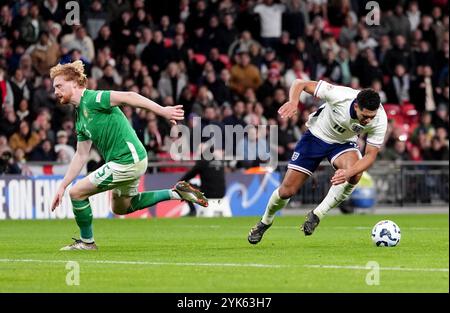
{"x":123,"y":179}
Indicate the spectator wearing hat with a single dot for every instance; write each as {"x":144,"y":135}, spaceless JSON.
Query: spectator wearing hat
{"x":62,"y":140}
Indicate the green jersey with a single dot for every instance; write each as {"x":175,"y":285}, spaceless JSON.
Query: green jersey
{"x":108,"y":128}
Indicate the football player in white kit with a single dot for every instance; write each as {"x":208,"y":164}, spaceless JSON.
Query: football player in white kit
{"x":332,"y":133}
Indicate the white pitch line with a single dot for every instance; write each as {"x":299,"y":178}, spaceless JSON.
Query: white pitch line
{"x":356,"y":267}
{"x":348,"y":267}
{"x":149,"y":263}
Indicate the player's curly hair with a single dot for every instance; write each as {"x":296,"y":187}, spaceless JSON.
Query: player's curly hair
{"x":71,"y":72}
{"x":368,"y":99}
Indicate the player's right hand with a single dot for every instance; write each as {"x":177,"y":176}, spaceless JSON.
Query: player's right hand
{"x":58,"y":198}
{"x":288,"y":109}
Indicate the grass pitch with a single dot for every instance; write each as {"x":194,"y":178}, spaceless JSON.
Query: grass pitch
{"x":213,"y":255}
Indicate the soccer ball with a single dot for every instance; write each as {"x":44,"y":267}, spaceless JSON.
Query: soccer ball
{"x":386,"y":234}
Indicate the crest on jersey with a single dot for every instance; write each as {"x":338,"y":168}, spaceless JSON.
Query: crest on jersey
{"x":357,"y":128}
{"x":295,"y":156}
{"x":85,"y":113}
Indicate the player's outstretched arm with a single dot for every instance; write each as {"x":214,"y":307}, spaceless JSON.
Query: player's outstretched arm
{"x":172,"y":113}
{"x":290,"y":108}
{"x":343,"y":175}
{"x":79,"y":160}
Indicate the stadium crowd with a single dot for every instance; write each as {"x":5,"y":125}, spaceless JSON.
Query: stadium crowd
{"x":228,"y":62}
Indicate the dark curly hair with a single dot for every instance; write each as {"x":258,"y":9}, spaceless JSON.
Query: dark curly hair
{"x":368,"y":99}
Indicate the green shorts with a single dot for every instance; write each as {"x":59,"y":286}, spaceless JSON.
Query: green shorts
{"x":122,"y":179}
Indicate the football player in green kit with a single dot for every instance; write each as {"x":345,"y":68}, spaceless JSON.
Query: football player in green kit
{"x":100,"y":122}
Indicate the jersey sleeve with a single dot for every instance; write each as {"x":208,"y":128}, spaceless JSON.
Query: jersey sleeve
{"x":80,"y":135}
{"x":378,"y":133}
{"x":102,"y":101}
{"x":333,"y":94}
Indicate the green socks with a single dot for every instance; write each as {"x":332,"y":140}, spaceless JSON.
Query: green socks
{"x":83,"y":216}
{"x":149,"y":198}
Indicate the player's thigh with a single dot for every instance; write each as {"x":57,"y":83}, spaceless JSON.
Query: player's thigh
{"x":292,"y":182}
{"x":122,"y":195}
{"x":347,"y":160}
{"x":83,"y":189}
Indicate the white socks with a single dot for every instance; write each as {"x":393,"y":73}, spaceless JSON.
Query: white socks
{"x":275,"y":204}
{"x":335,"y":196}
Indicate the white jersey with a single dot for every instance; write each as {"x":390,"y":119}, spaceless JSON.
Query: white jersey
{"x":335,"y":121}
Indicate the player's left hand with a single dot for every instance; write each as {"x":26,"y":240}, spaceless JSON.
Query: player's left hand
{"x":339,"y":177}
{"x":173,"y":113}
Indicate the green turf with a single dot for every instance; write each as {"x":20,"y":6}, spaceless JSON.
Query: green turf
{"x":193,"y":252}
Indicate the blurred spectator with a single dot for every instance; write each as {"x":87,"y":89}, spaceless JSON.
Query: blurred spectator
{"x":377,"y":86}
{"x":9,"y":122}
{"x":104,"y":39}
{"x":43,"y":152}
{"x":329,"y":69}
{"x":237,"y":118}
{"x":62,"y":140}
{"x":79,"y":40}
{"x":399,"y":86}
{"x":244,"y":75}
{"x":44,"y":54}
{"x":426,"y":129}
{"x":413,"y":13}
{"x":23,"y":112}
{"x":7,"y":164}
{"x":397,"y":152}
{"x":244,"y":43}
{"x":271,"y":21}
{"x":4,"y":144}
{"x":252,"y":149}
{"x":153,"y":139}
{"x":95,"y":18}
{"x":218,"y":88}
{"x":226,"y":34}
{"x":172,"y":82}
{"x":437,"y":151}
{"x":399,"y":54}
{"x":20,"y":87}
{"x":296,"y":72}
{"x":399,"y":23}
{"x":31,"y":25}
{"x":423,"y":91}
{"x":266,"y":91}
{"x":24,"y":139}
{"x":294,"y":19}
{"x":348,"y":32}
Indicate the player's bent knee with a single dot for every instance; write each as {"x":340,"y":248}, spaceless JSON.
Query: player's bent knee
{"x":286,"y":192}
{"x":75,"y":194}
